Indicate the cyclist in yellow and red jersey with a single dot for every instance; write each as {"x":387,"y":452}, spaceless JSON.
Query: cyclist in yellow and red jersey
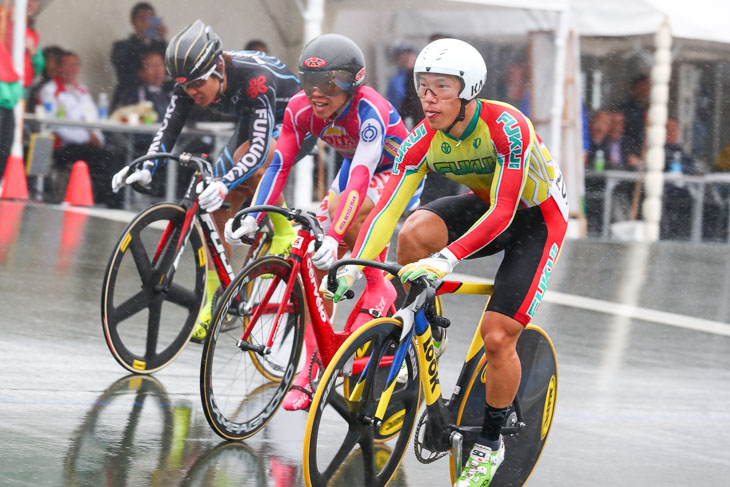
{"x":517,"y":205}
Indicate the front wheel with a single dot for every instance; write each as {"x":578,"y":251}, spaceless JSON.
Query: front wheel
{"x":146,"y":324}
{"x":339,"y":425}
{"x":531,"y":414}
{"x":253,"y":348}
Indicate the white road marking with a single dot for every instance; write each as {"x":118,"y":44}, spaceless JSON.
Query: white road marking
{"x":617,"y":309}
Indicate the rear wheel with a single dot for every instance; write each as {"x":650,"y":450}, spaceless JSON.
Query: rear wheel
{"x":338,"y":425}
{"x":147,"y":325}
{"x":243,"y":382}
{"x":531,"y":415}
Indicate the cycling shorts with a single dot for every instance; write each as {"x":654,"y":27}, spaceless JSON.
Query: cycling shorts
{"x":531,"y":246}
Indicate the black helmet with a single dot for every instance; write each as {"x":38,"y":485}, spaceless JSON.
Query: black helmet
{"x":193,"y":52}
{"x":332,"y":61}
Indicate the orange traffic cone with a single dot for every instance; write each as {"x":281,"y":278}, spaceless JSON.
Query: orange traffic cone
{"x":78,"y":192}
{"x":14,"y":184}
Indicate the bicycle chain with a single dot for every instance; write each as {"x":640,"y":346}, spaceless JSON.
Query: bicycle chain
{"x":418,"y":445}
{"x":314,"y":381}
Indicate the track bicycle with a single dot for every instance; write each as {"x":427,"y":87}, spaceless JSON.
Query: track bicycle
{"x":257,"y":329}
{"x":342,"y":418}
{"x":154,"y":283}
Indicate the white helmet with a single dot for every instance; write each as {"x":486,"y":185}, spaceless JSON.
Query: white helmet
{"x":457,"y":58}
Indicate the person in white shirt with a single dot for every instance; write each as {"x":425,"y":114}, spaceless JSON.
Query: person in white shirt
{"x":65,"y":97}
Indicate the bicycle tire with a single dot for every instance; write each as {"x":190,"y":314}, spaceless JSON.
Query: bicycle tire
{"x":331,"y":409}
{"x":133,"y":340}
{"x":537,"y":397}
{"x":237,"y":399}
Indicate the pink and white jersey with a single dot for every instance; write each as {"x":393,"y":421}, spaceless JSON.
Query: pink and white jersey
{"x":367,"y":134}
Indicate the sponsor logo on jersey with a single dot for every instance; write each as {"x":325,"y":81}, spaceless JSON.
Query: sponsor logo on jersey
{"x":348,"y":213}
{"x":446,"y":148}
{"x":477,"y":142}
{"x":338,"y":138}
{"x":418,"y":133}
{"x":257,"y":86}
{"x":258,"y":142}
{"x":542,"y":286}
{"x":484,"y":165}
{"x":369,"y":132}
{"x":314,"y":62}
{"x":514,"y":136}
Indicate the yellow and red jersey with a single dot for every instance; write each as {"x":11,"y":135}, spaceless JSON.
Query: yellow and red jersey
{"x":499,"y":157}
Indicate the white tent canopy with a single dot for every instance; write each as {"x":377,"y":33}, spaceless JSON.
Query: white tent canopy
{"x":698,"y":19}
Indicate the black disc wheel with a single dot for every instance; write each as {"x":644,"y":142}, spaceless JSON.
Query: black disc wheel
{"x":528,"y":423}
{"x":148,"y":318}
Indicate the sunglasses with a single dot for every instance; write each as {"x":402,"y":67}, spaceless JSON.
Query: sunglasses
{"x":328,"y":83}
{"x":440,"y":88}
{"x":197,"y":83}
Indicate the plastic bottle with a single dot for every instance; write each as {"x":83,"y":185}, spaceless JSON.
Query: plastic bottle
{"x":676,"y":165}
{"x":599,"y":163}
{"x":60,"y":109}
{"x":103,"y":106}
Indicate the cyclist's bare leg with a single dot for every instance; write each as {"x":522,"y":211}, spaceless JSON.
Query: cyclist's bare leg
{"x":500,"y":334}
{"x":503,"y":372}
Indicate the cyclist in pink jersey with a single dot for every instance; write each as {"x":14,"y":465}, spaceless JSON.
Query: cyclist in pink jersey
{"x":367,"y":131}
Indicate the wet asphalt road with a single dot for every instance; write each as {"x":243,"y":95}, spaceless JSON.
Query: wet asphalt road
{"x":642,"y":333}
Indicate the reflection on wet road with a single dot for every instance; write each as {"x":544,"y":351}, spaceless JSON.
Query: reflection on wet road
{"x":641,"y":333}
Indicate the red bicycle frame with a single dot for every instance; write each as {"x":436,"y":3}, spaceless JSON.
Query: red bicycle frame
{"x":328,"y":340}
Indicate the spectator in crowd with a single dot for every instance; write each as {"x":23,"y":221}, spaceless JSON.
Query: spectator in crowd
{"x":149,"y":35}
{"x":595,"y":185}
{"x":70,"y":99}
{"x":617,"y":156}
{"x":152,"y":85}
{"x":52,"y":58}
{"x":598,"y":145}
{"x":635,"y":109}
{"x":676,"y":198}
{"x":675,"y":157}
{"x":404,"y":58}
{"x":257,"y":45}
{"x":154,"y":88}
{"x":11,"y":91}
{"x":621,"y":157}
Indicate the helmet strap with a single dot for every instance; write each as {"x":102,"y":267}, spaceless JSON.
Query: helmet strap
{"x":221,"y":75}
{"x":460,"y":117}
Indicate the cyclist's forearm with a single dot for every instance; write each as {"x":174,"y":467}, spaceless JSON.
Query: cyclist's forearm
{"x":271,"y":186}
{"x":350,"y":203}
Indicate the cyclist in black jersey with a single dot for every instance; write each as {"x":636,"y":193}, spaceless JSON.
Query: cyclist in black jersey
{"x":251,"y":86}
